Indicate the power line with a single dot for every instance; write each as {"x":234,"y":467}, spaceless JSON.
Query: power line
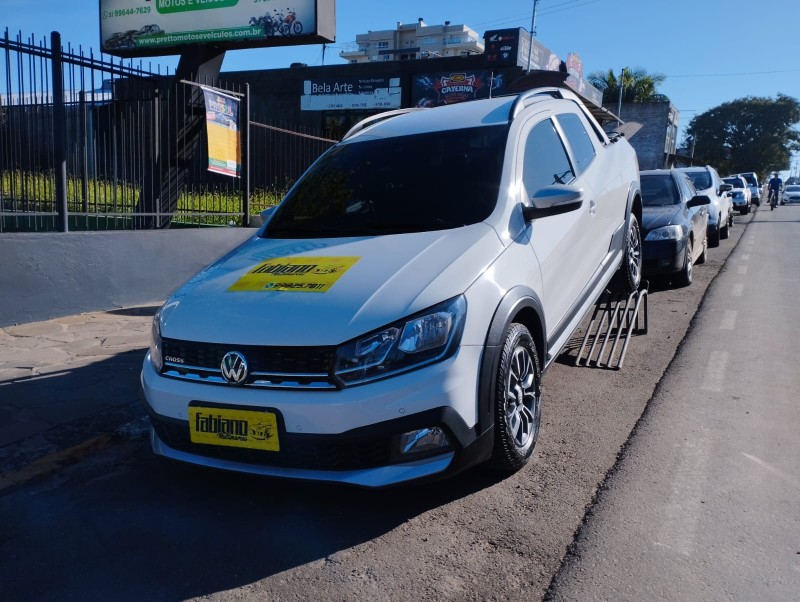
{"x":736,"y":74}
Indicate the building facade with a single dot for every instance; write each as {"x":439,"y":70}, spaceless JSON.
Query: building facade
{"x":414,"y":41}
{"x":655,"y":142}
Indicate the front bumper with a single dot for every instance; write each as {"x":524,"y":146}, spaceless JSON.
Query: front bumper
{"x":348,"y":436}
{"x":663,"y":256}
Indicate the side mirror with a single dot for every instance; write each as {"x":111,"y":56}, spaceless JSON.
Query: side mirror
{"x":553,"y":200}
{"x":725,"y":187}
{"x":698,"y":201}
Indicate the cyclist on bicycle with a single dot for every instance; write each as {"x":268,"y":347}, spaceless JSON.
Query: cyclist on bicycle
{"x":775,"y":187}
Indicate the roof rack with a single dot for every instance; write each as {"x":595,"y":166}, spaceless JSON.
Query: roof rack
{"x":376,"y":118}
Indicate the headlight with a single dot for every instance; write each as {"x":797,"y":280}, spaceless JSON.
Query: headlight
{"x":427,"y":337}
{"x":156,"y":357}
{"x":665,"y":233}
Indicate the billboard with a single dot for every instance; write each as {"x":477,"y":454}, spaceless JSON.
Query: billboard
{"x":324,"y":94}
{"x":512,"y":47}
{"x":450,"y":87}
{"x":133,"y":28}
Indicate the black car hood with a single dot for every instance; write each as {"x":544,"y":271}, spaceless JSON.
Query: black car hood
{"x":656,"y":217}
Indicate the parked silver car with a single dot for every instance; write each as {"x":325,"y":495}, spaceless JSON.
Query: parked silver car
{"x":707,"y":182}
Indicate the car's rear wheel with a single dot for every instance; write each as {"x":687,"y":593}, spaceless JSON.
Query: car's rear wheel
{"x":629,"y":275}
{"x":517,"y":400}
{"x":685,"y":275}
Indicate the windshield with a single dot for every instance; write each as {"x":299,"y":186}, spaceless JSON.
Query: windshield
{"x":792,"y":189}
{"x":750,"y":179}
{"x":735,"y":182}
{"x":431,"y":181}
{"x":659,"y":191}
{"x":700,"y":179}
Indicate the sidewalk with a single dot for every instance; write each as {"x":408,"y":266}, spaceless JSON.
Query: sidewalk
{"x":69,"y":386}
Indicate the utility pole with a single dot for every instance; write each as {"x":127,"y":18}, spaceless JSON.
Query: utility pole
{"x":533,"y":33}
{"x":621,"y":86}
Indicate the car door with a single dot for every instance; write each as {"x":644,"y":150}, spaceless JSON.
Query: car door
{"x":562,"y":243}
{"x":605,"y":182}
{"x":698,"y":216}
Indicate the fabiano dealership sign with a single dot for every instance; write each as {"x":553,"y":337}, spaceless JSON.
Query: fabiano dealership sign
{"x":156,"y":27}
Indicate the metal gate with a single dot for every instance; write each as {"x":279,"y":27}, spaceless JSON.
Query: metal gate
{"x":92,"y":143}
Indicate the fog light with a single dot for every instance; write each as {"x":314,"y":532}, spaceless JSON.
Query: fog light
{"x":422,"y":441}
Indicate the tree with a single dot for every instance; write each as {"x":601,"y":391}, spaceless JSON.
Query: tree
{"x":637,"y":85}
{"x":749,"y":134}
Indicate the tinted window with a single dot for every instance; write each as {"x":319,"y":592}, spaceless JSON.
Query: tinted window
{"x":700,"y":179}
{"x":431,"y":181}
{"x":792,"y":189}
{"x":578,"y":138}
{"x":735,"y":182}
{"x":659,"y":191}
{"x":750,"y":179}
{"x":546,"y":160}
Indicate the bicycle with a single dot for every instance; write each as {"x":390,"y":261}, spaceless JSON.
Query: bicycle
{"x":773,"y":199}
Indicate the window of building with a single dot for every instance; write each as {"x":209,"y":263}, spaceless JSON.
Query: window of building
{"x":454,"y":39}
{"x":383,"y":44}
{"x":429,"y":41}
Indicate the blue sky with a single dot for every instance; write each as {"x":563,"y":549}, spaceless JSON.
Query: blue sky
{"x":711,"y":51}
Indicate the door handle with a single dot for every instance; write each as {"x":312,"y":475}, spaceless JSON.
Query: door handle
{"x":592,"y":207}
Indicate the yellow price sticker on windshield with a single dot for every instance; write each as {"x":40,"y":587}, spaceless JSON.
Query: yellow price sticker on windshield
{"x":295,"y":274}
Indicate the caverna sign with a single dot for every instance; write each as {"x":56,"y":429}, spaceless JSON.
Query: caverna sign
{"x":134,"y":28}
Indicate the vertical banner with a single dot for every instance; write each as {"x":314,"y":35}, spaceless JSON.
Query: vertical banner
{"x":222,"y":129}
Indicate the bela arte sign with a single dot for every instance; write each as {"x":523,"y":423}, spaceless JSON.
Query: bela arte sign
{"x":368,"y":93}
{"x":150,"y":27}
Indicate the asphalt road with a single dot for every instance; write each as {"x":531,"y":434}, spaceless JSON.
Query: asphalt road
{"x":704,"y":504}
{"x":124,"y":525}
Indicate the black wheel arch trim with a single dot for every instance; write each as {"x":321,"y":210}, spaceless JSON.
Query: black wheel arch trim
{"x":519,"y":299}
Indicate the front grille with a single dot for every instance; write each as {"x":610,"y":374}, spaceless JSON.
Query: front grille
{"x":275,"y":367}
{"x":309,"y":452}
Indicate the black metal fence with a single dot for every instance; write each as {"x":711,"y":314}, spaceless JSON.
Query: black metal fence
{"x":89,"y":143}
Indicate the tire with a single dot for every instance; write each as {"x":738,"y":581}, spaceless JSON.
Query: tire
{"x":629,"y":275}
{"x":685,"y":275}
{"x":517,"y":401}
{"x":713,"y":239}
{"x":704,"y":253}
{"x":297,"y":28}
{"x":723,"y":230}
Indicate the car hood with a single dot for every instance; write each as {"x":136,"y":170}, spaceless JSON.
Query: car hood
{"x":656,"y":217}
{"x":363,"y":284}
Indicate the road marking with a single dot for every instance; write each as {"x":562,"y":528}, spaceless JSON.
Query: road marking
{"x":771,"y":469}
{"x":742,"y":269}
{"x":678,"y":530}
{"x":715,"y":371}
{"x":728,"y":320}
{"x":737,"y":290}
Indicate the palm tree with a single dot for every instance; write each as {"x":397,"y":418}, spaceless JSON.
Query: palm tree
{"x":637,"y":85}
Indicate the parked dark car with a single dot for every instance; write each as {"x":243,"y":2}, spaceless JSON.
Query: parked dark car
{"x":674,"y":224}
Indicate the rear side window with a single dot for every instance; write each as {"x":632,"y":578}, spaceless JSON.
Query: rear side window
{"x":546,"y":160}
{"x":700,"y":179}
{"x":582,"y":148}
{"x":659,"y":191}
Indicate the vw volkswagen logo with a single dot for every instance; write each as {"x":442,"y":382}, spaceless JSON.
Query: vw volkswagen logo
{"x":234,"y":368}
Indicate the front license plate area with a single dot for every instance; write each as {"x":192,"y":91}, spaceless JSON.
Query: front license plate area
{"x":229,"y":427}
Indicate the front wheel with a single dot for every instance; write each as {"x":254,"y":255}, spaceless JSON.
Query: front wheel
{"x":517,"y":400}
{"x":685,"y":275}
{"x":629,"y":275}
